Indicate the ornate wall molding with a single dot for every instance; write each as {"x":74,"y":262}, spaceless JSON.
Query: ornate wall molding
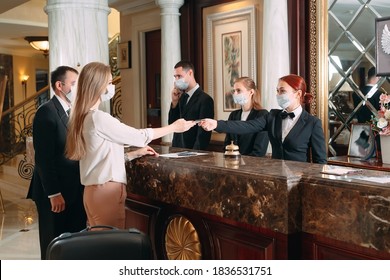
{"x":318,"y":53}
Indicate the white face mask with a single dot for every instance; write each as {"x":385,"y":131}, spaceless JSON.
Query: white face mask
{"x":71,"y":95}
{"x":181,"y":84}
{"x":108,"y":94}
{"x":240,"y":99}
{"x":283,"y":100}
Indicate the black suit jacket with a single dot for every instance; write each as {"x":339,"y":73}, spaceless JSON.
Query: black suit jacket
{"x":53,"y":172}
{"x":252,"y":144}
{"x":307,"y":133}
{"x":200,"y":106}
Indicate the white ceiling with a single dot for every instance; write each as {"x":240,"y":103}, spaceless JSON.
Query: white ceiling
{"x":21,"y":18}
{"x":18,"y":19}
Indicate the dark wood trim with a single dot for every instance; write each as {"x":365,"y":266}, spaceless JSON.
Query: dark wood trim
{"x":191,"y":22}
{"x":192,"y":33}
{"x":221,"y":238}
{"x":297,"y":36}
{"x":315,"y":247}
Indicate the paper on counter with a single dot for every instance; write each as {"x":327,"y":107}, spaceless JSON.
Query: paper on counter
{"x":337,"y":170}
{"x":381,"y":180}
{"x":182,"y":154}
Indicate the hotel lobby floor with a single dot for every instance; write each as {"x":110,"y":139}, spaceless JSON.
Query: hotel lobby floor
{"x":18,"y":225}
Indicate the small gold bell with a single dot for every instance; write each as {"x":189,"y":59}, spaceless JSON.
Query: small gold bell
{"x":232,"y":150}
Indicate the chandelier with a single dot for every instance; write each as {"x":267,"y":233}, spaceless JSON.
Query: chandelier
{"x":40,"y":43}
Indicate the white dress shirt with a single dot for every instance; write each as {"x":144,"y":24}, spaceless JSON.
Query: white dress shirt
{"x":191,"y":92}
{"x":244,"y":115}
{"x":288,"y":123}
{"x":63,"y":103}
{"x":105,"y":137}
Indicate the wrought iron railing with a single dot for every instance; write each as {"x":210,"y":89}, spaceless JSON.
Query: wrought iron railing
{"x":16,"y":125}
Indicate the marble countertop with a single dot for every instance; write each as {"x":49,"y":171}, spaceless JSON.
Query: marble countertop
{"x":284,"y":196}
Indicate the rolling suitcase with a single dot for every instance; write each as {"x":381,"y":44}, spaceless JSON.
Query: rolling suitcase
{"x":108,"y":244}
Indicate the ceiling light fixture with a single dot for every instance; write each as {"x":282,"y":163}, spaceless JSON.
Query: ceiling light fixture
{"x":40,"y":43}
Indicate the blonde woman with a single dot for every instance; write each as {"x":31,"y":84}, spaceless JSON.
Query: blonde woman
{"x":247,"y":96}
{"x":97,"y":139}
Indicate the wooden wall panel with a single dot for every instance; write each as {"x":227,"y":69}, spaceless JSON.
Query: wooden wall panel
{"x":232,"y":243}
{"x":316,"y":247}
{"x":191,"y":23}
{"x":219,"y":238}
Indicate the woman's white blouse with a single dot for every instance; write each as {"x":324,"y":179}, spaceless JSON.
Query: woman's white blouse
{"x":105,"y":137}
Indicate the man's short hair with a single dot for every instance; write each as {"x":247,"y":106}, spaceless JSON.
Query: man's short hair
{"x":59,"y":75}
{"x":186,"y":65}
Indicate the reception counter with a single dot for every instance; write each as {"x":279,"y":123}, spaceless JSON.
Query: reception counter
{"x":212,"y":207}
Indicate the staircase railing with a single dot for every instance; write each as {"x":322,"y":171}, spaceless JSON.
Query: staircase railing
{"x":16,"y":125}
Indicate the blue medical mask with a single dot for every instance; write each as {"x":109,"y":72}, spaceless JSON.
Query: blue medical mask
{"x":283,"y":100}
{"x":108,"y":94}
{"x":181,"y":84}
{"x":240,"y":99}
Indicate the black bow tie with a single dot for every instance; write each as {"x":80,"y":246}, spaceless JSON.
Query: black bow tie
{"x":284,"y":115}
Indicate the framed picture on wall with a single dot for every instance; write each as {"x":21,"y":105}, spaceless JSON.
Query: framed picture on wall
{"x":382,"y":33}
{"x":230,"y":52}
{"x":124,"y":55}
{"x":231,"y":66}
{"x":361,"y":141}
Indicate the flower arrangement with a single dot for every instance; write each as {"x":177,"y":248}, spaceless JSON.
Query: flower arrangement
{"x":381,"y":122}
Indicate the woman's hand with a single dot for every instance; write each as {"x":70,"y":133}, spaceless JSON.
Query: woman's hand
{"x":181,"y":125}
{"x":142,"y":152}
{"x":208,"y":124}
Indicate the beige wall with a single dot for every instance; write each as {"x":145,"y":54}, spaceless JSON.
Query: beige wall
{"x":133,"y":28}
{"x":26,"y":66}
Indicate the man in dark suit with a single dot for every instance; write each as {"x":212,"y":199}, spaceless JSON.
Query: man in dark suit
{"x":190,"y":102}
{"x":55,"y":186}
{"x":364,"y":113}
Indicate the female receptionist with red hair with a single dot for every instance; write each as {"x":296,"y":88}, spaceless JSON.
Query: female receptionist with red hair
{"x":292,"y":131}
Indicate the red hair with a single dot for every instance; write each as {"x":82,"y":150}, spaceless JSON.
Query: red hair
{"x":298,"y":83}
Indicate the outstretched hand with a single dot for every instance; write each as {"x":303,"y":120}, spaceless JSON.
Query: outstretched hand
{"x":208,"y":124}
{"x":181,"y":125}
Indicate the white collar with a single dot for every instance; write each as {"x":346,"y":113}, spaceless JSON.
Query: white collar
{"x":63,"y":103}
{"x":191,"y":91}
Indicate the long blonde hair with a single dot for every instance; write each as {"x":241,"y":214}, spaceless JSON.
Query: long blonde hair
{"x":92,"y":83}
{"x":249,"y":84}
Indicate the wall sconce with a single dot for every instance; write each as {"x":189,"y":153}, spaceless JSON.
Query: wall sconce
{"x":40,"y":43}
{"x":24,"y":79}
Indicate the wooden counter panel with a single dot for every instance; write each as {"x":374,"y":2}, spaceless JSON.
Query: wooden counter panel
{"x":316,"y":247}
{"x":219,"y":238}
{"x":261,"y":208}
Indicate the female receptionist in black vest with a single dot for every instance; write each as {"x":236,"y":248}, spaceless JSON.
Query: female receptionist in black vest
{"x":291,"y":130}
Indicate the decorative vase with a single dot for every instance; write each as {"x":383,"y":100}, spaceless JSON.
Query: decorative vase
{"x":385,"y":148}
